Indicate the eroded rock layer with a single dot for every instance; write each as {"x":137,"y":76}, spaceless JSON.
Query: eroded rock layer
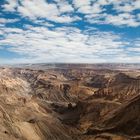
{"x":69,"y":104}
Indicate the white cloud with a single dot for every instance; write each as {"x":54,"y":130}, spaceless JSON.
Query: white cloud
{"x":136,"y":46}
{"x":11,"y":5}
{"x":4,"y":20}
{"x":64,"y":12}
{"x":122,"y":19}
{"x":127,"y":5}
{"x":96,"y":12}
{"x":49,"y":43}
{"x":127,"y":59}
{"x":136,"y":49}
{"x":64,"y":6}
{"x":34,"y":9}
{"x":79,"y":3}
{"x":64,"y":44}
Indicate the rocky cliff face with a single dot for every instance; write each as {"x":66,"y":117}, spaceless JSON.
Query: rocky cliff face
{"x":119,"y":87}
{"x":74,"y":104}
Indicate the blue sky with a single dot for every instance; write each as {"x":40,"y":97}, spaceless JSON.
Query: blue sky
{"x":69,"y":31}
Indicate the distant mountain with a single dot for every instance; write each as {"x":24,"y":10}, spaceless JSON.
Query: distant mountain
{"x":123,"y":66}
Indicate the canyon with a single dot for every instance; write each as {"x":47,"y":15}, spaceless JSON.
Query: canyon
{"x":70,"y":102}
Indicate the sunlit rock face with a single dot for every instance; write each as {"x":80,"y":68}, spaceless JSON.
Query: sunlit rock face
{"x":69,"y":104}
